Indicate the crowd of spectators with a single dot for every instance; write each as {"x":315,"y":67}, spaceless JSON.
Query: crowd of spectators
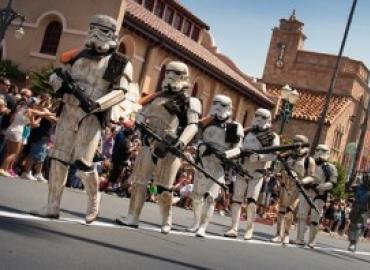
{"x":26,"y":124}
{"x":26,"y":132}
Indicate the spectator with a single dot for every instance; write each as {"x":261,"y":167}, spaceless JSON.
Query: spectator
{"x":121,"y":152}
{"x":38,"y":144}
{"x":25,"y":115}
{"x":6,"y":115}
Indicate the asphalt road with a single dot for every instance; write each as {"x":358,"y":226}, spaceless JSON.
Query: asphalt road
{"x":27,"y":242}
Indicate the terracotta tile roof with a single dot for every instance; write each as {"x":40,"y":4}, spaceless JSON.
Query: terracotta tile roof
{"x":181,"y":7}
{"x":158,"y":26}
{"x":310,"y":104}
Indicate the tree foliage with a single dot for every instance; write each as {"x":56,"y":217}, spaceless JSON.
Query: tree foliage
{"x":39,"y":81}
{"x":339,"y":189}
{"x":11,"y":70}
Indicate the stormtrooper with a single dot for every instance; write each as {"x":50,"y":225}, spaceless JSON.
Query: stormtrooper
{"x":90,"y":82}
{"x":172,"y":114}
{"x":304,"y":167}
{"x":360,"y":209}
{"x":325,"y":177}
{"x":219,"y":134}
{"x":257,"y":137}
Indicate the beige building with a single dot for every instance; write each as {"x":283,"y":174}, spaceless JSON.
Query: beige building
{"x":310,"y":73}
{"x":153,"y":33}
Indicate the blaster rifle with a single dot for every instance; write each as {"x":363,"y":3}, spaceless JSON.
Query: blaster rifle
{"x":298,"y":184}
{"x":70,"y":86}
{"x":273,"y":149}
{"x":228,"y":162}
{"x":176,"y":152}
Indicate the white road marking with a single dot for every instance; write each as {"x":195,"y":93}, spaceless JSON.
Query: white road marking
{"x":157,"y":229}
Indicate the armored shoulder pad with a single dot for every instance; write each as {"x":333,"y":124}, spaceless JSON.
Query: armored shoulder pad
{"x":195,"y":105}
{"x":147,"y":99}
{"x":116,"y":68}
{"x":333,"y":170}
{"x":206,"y":121}
{"x":69,"y":56}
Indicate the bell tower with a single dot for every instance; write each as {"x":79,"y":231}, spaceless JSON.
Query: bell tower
{"x":285,"y":41}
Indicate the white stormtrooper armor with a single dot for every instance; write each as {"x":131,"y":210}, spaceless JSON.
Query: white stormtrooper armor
{"x":103,"y":78}
{"x":259,"y":136}
{"x":301,"y":164}
{"x":218,"y":135}
{"x":170,"y":112}
{"x":325,"y":178}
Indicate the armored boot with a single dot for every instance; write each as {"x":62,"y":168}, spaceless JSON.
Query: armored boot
{"x":301,"y":228}
{"x":208,"y":210}
{"x":57,"y":181}
{"x":165,"y":206}
{"x":91,"y":183}
{"x":235,"y":218}
{"x":197,"y":210}
{"x":288,"y":220}
{"x":314,"y":230}
{"x":137,"y":200}
{"x":279,"y":228}
{"x":251,"y":214}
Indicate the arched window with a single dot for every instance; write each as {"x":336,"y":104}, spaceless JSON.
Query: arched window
{"x":122,"y":48}
{"x":245,"y":119}
{"x":160,"y":78}
{"x":194,"y":92}
{"x":51,"y":38}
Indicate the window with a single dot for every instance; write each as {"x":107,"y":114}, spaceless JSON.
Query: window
{"x":160,"y":78}
{"x":194,"y":92}
{"x":1,"y":52}
{"x":195,"y":33}
{"x":186,"y":28}
{"x":149,"y":4}
{"x":159,"y":8}
{"x":177,"y":23}
{"x":168,"y":17}
{"x":338,"y":135}
{"x":122,"y":48}
{"x":51,"y":38}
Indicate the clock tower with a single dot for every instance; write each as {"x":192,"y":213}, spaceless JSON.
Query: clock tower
{"x":285,"y":42}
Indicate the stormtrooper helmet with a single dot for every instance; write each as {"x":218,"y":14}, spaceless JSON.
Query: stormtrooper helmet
{"x":262,"y":119}
{"x":221,"y":108}
{"x":101,"y":35}
{"x":322,"y":153}
{"x":176,"y":77}
{"x":301,"y":151}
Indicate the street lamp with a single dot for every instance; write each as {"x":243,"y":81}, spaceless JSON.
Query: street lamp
{"x":289,"y":98}
{"x":7,"y":15}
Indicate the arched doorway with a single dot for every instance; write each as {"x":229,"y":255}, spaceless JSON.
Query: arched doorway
{"x":122,"y":48}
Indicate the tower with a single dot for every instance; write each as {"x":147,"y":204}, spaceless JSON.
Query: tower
{"x":286,"y":40}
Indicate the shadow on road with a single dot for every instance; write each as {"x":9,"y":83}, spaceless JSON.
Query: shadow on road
{"x":37,"y":231}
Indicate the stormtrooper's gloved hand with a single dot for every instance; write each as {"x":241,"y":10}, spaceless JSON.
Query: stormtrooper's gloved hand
{"x":295,"y":175}
{"x":202,"y":148}
{"x":179,"y":145}
{"x":55,"y":81}
{"x":140,"y":118}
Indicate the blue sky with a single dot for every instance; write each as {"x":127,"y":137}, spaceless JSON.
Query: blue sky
{"x":242,"y":28}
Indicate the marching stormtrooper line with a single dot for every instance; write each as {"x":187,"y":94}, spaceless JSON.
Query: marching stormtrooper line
{"x":96,"y":78}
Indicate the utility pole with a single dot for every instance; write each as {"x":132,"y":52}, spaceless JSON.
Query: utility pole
{"x":361,"y":141}
{"x":324,"y":112}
